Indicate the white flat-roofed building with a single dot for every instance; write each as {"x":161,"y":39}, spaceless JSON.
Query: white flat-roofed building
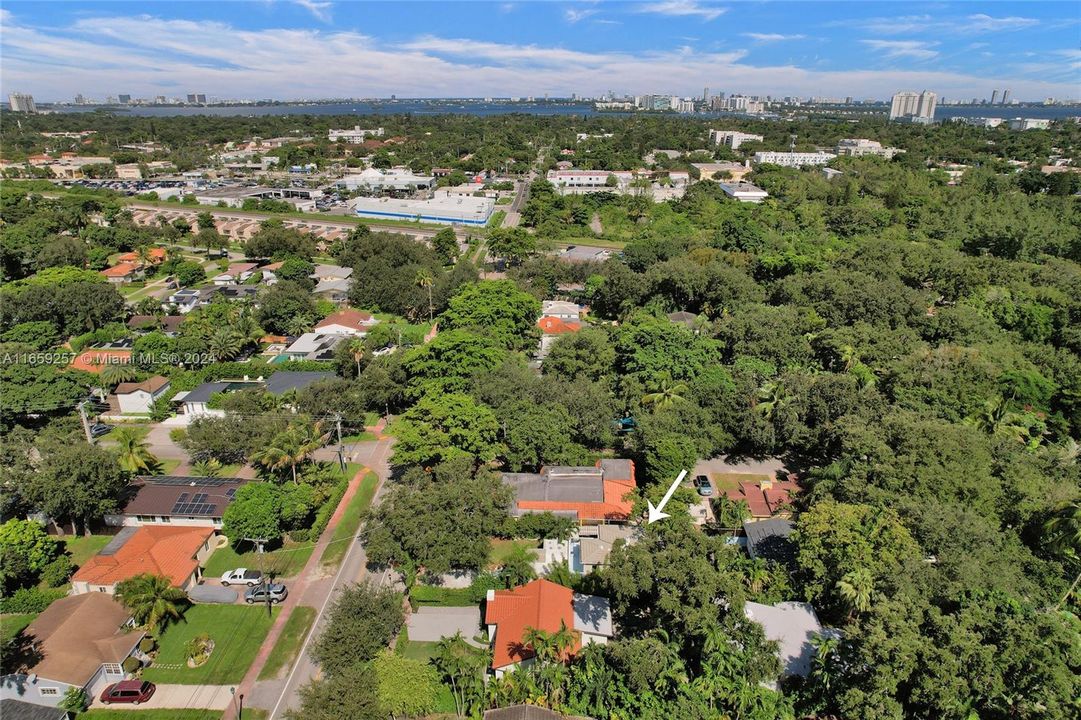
{"x":732,"y":138}
{"x":393,"y":180}
{"x":355,"y":135}
{"x":744,"y":192}
{"x":858,"y":147}
{"x":792,"y":159}
{"x":1029,"y":124}
{"x":914,"y":107}
{"x":590,"y":179}
{"x":443,"y":210}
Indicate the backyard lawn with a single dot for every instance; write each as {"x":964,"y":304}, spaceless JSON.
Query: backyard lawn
{"x":12,"y":625}
{"x":237,"y":632}
{"x":350,"y":521}
{"x":285,"y":650}
{"x":503,"y":549}
{"x":83,"y":547}
{"x":730,"y":481}
{"x":284,"y":562}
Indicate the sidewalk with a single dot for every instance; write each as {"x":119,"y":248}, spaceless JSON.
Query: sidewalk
{"x":310,"y":573}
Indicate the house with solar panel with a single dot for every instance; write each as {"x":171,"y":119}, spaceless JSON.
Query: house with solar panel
{"x":175,"y":500}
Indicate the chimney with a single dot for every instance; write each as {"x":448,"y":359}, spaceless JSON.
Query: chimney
{"x":490,"y":597}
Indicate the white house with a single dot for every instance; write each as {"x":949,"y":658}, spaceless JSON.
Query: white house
{"x":136,"y":398}
{"x":346,"y":321}
{"x":744,"y":192}
{"x":235,"y":274}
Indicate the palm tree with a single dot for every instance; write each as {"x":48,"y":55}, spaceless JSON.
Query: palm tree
{"x":225,"y":343}
{"x":133,"y":452}
{"x":772,"y":396}
{"x":357,"y":349}
{"x":211,"y":467}
{"x":1064,"y":538}
{"x":152,"y":600}
{"x":666,"y":392}
{"x":292,"y":447}
{"x":757,"y":576}
{"x":425,"y":279}
{"x":142,"y":254}
{"x":115,"y":373}
{"x":298,"y":325}
{"x":857,"y":588}
{"x":996,"y":418}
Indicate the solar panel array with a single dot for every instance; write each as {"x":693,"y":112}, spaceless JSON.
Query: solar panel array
{"x":197,"y":505}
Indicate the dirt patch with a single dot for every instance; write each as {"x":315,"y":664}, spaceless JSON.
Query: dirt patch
{"x":730,"y":481}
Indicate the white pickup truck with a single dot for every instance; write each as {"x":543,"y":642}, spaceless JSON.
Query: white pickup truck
{"x":242,"y":576}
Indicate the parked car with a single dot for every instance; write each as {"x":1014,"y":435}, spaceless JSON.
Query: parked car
{"x":701,"y":484}
{"x":99,"y":429}
{"x":128,"y":691}
{"x":242,"y":576}
{"x":275,"y":591}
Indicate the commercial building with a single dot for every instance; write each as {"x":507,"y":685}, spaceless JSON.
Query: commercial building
{"x":394,"y":180}
{"x":793,"y":159}
{"x":858,"y":147}
{"x":1029,"y":124}
{"x":744,"y":192}
{"x":303,"y":199}
{"x":354,"y":136}
{"x":727,"y":170}
{"x":572,"y":181}
{"x":22,"y":102}
{"x":732,"y":138}
{"x":444,"y":210}
{"x":914,"y":107}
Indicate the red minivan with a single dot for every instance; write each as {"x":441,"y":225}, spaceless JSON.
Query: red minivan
{"x":128,"y":691}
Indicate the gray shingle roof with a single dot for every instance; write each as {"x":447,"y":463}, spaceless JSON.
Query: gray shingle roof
{"x":19,"y":710}
{"x":768,"y":539}
{"x":285,"y":380}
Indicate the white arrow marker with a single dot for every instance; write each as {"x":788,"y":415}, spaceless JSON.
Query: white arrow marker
{"x":655,"y":513}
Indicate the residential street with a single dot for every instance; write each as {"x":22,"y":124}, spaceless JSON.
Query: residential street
{"x":317,"y":589}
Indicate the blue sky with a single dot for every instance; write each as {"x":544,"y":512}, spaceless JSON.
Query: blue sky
{"x":318,"y":48}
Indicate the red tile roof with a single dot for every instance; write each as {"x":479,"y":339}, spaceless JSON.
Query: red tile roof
{"x":557,"y":326}
{"x":123,"y":269}
{"x":166,"y":551}
{"x":767,"y":501}
{"x":541,"y":604}
{"x":157,"y":255}
{"x":94,"y":360}
{"x":350,"y":318}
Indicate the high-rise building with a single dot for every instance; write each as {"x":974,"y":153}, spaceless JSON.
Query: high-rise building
{"x":201,"y":99}
{"x":191,"y":98}
{"x":1006,"y":96}
{"x":124,"y":99}
{"x":994,"y":96}
{"x":22,"y":102}
{"x":705,"y":94}
{"x":915,"y":107}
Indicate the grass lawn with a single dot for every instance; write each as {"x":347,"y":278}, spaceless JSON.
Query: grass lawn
{"x":288,"y":645}
{"x":359,"y":437}
{"x":83,"y":547}
{"x":12,"y":625}
{"x":502,"y":549}
{"x":730,"y":481}
{"x":140,"y":430}
{"x":237,"y":631}
{"x":414,"y":649}
{"x":167,"y":465}
{"x":286,"y":561}
{"x":163,"y":714}
{"x":350,"y":521}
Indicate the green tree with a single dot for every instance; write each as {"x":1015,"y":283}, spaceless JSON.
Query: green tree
{"x":112,"y":374}
{"x":25,"y":551}
{"x":665,"y":393}
{"x":426,"y":280}
{"x":75,"y":482}
{"x":349,"y":694}
{"x":283,"y":303}
{"x":449,"y":361}
{"x":405,"y":687}
{"x":75,"y":701}
{"x":1063,"y":531}
{"x":496,"y":309}
{"x":133,"y":452}
{"x":152,"y":600}
{"x":443,"y":427}
{"x":463,"y":668}
{"x":362,"y":621}
{"x":256,"y":512}
{"x":518,"y":567}
{"x":292,"y":447}
{"x":445,"y":244}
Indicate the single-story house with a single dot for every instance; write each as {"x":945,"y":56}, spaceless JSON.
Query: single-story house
{"x":346,"y":321}
{"x":744,"y":192}
{"x":314,"y":346}
{"x":542,"y":605}
{"x":682,"y":317}
{"x":331,"y":272}
{"x":285,"y":380}
{"x":79,"y":641}
{"x":562,"y":309}
{"x":552,"y":328}
{"x":235,"y":274}
{"x":765,"y":498}
{"x":123,"y":272}
{"x":194,"y":402}
{"x":136,"y":398}
{"x":155,"y":256}
{"x":769,"y":539}
{"x":176,"y":500}
{"x":173,"y":552}
{"x":589,"y":548}
{"x":591,"y":495}
{"x":793,"y":625}
{"x":336,"y":291}
{"x":19,"y":710}
{"x":168,"y":324}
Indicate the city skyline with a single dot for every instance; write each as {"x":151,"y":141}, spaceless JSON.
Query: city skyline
{"x":313,"y":50}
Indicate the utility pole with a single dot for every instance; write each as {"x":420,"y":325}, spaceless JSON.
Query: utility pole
{"x":260,"y":550}
{"x":85,"y":422}
{"x":341,"y":447}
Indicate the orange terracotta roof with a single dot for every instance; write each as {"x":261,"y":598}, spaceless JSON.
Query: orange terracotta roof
{"x":541,"y":604}
{"x":166,"y":551}
{"x":356,"y":319}
{"x":617,"y":504}
{"x":557,"y":326}
{"x":94,"y":360}
{"x":272,"y":266}
{"x":121,"y":270}
{"x":764,"y":502}
{"x":157,"y":255}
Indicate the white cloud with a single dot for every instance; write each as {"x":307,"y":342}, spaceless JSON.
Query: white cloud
{"x":981,"y":23}
{"x":917,"y":49}
{"x":977,"y":24}
{"x":573,"y":16}
{"x":684,"y":8}
{"x":771,"y":37}
{"x":146,"y":56}
{"x":321,"y":10}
